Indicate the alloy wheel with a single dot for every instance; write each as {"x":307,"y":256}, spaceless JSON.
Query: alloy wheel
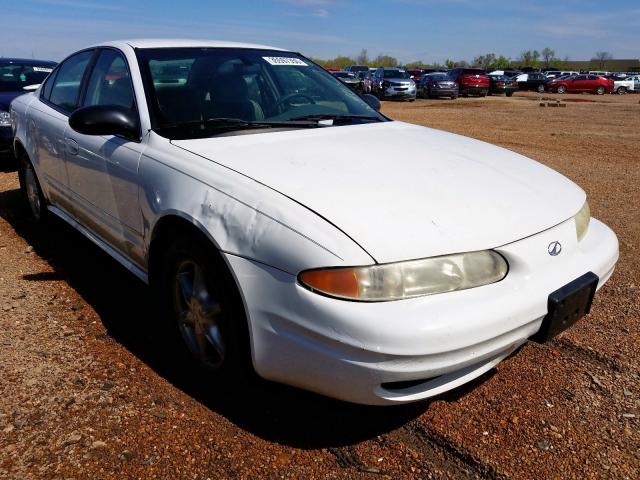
{"x":32,"y":191}
{"x":199,"y":314}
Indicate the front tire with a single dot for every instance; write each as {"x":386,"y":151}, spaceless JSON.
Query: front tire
{"x":203,"y":320}
{"x":540,"y":88}
{"x":600,"y":90}
{"x":562,"y":89}
{"x":509,"y":94}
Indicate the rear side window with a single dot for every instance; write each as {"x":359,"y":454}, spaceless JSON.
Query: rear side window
{"x":48,"y":85}
{"x":110,"y":82}
{"x":66,"y":86}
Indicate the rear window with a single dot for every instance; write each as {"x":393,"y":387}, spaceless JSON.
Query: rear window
{"x":473,"y":71}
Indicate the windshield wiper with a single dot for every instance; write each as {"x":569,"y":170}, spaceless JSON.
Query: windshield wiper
{"x":236,"y":124}
{"x":338,"y":117}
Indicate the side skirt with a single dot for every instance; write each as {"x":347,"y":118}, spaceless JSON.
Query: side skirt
{"x":119,"y":257}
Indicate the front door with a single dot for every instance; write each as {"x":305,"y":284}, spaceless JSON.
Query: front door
{"x":103,"y":170}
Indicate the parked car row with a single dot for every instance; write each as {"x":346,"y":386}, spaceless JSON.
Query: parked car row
{"x":408,"y":84}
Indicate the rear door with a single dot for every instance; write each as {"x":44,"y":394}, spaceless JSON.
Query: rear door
{"x":103,"y":170}
{"x":578,"y":84}
{"x":48,"y":122}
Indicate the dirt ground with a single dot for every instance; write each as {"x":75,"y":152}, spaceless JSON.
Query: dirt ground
{"x":83,"y":394}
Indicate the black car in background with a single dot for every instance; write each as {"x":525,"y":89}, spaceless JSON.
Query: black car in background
{"x":532,"y":81}
{"x":435,"y":85}
{"x":349,"y":79}
{"x":15,"y":75}
{"x":499,"y":84}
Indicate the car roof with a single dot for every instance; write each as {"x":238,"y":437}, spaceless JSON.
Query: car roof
{"x":29,"y":61}
{"x":181,"y":43}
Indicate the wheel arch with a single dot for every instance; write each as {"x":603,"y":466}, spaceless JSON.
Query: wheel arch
{"x":173,"y":224}
{"x":19,"y":149}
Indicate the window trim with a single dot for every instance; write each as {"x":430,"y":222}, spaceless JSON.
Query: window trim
{"x":89,"y":68}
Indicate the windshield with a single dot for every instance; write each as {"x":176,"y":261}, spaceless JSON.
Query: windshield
{"x":15,"y":76}
{"x":395,"y":74}
{"x":186,"y":85}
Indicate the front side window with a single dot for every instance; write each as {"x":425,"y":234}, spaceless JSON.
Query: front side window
{"x":66,"y":87}
{"x":110,"y":82}
{"x":187,"y":85}
{"x":15,"y":76}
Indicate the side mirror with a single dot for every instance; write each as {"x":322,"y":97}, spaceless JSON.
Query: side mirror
{"x":372,"y":101}
{"x":31,"y":88}
{"x":105,"y":120}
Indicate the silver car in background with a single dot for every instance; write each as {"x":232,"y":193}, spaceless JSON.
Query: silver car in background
{"x":393,"y":83}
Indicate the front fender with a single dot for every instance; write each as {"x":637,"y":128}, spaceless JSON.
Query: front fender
{"x":241,"y":216}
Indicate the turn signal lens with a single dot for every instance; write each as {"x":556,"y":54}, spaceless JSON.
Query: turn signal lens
{"x":583,"y":217}
{"x":339,"y":282}
{"x":415,"y":278}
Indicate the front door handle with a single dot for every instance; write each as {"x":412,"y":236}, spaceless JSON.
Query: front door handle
{"x":72,"y":146}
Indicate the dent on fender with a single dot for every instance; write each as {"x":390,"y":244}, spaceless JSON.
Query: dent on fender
{"x":239,"y":227}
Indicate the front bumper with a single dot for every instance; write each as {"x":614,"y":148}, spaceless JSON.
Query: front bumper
{"x":503,"y":90}
{"x":359,"y":351}
{"x":399,"y":92}
{"x":444,"y":92}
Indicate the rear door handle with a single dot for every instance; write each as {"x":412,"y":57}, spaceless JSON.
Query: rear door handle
{"x":72,"y":146}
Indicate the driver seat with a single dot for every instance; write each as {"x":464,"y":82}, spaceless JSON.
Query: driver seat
{"x":228,"y":97}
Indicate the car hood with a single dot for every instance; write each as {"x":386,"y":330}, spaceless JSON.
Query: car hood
{"x":7,"y":97}
{"x":402,"y":191}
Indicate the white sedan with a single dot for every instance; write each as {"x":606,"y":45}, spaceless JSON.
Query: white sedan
{"x":286,"y":225}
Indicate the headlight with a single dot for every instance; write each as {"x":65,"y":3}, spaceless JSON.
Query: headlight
{"x":5,"y":119}
{"x":414,"y":278}
{"x":583,"y":217}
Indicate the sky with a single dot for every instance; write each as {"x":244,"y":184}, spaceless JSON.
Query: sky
{"x":410,"y":30}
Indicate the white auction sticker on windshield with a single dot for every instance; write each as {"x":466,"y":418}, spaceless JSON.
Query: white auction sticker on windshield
{"x":296,"y":62}
{"x":42,"y":69}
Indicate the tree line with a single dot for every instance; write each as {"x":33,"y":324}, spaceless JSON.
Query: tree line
{"x":529,"y":58}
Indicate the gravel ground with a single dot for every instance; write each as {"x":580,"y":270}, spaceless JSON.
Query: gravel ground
{"x":84,"y":395}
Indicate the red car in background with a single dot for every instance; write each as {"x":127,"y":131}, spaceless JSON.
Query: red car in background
{"x":582,"y":83}
{"x":471,"y":81}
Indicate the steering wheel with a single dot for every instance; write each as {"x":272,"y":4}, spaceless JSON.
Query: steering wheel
{"x":286,"y":98}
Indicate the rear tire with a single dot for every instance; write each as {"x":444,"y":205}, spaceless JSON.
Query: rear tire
{"x":31,"y":191}
{"x":509,"y":94}
{"x":454,"y":97}
{"x":202,"y":316}
{"x":621,"y":90}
